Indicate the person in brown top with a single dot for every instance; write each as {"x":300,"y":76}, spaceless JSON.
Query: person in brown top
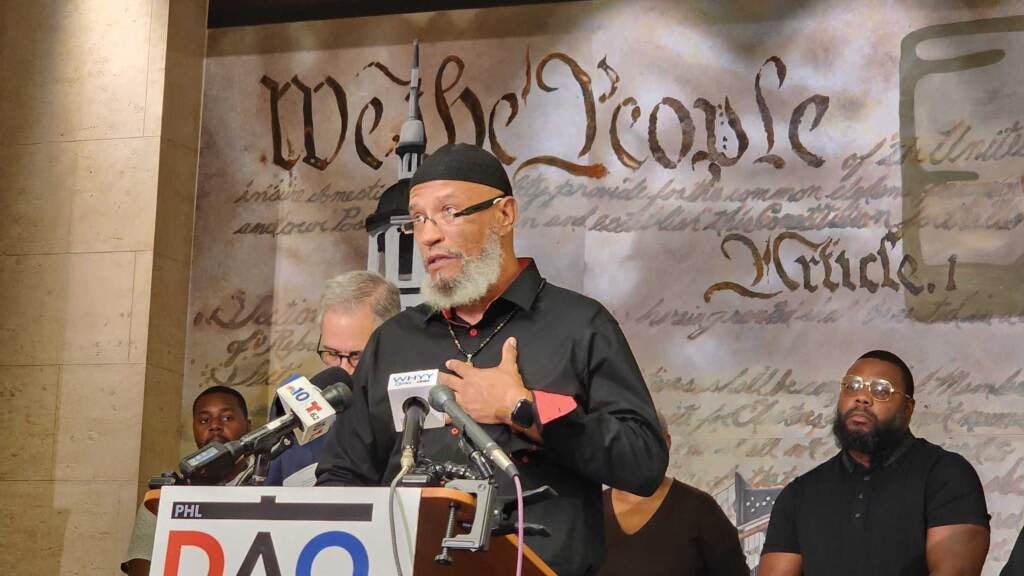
{"x":679,"y":530}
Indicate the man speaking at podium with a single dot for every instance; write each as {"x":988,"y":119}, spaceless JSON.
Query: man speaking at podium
{"x":547,"y":371}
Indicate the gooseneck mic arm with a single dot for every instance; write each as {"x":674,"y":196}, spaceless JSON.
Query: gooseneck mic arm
{"x":443,"y":399}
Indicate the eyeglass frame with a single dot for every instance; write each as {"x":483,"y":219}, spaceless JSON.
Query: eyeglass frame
{"x":320,"y":351}
{"x":868,"y":384}
{"x":467,"y":211}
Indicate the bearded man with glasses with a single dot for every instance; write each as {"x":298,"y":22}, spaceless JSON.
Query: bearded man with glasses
{"x":889,"y":503}
{"x":546,"y":371}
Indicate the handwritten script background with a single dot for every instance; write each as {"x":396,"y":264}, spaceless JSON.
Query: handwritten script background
{"x":759,"y":194}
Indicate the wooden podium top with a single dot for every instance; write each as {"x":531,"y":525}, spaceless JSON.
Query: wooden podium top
{"x":152,"y":500}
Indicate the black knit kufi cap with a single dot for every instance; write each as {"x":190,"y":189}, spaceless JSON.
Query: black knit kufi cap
{"x":464,"y":163}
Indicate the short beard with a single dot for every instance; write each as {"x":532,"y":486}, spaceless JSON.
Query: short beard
{"x":479,"y":273}
{"x":877,"y":444}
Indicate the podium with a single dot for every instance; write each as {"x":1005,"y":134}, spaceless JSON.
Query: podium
{"x":258,"y":524}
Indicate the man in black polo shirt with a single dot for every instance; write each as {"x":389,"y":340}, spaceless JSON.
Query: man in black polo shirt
{"x":888,"y":503}
{"x":546,"y":371}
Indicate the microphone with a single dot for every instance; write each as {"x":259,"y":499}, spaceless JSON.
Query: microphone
{"x":321,"y":380}
{"x":211,"y":463}
{"x":311,"y":422}
{"x":443,"y":399}
{"x":314,"y":410}
{"x":410,"y":410}
{"x":333,"y":375}
{"x":415,"y":412}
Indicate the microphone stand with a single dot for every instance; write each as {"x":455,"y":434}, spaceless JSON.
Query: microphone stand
{"x":494,"y":515}
{"x":481,"y":483}
{"x":263,"y":459}
{"x":479,"y":480}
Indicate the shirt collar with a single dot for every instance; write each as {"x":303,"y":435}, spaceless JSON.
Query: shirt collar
{"x":522,"y":291}
{"x":852,"y":465}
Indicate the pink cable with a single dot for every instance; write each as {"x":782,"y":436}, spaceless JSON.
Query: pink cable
{"x":519,"y":548}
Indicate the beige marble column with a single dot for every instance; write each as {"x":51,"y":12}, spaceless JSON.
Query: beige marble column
{"x":97,"y":188}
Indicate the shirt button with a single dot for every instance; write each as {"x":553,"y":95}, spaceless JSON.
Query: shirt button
{"x":868,"y":477}
{"x":472,"y":331}
{"x":860,"y":496}
{"x":857,"y":515}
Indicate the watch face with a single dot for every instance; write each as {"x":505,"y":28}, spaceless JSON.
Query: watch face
{"x":522,"y":415}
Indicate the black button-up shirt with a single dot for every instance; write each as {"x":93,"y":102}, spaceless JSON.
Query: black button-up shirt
{"x":567,"y":344}
{"x":844,"y":519}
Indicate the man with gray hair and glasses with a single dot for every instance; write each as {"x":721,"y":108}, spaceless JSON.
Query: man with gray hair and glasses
{"x":352,"y":306}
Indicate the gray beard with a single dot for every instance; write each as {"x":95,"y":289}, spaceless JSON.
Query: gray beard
{"x":478,"y":275}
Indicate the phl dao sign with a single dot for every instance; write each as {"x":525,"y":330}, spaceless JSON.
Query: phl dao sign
{"x":241,"y":531}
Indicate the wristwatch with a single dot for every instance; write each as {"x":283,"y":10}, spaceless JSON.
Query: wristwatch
{"x":523,"y":415}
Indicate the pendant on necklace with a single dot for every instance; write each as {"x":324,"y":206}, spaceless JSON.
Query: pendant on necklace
{"x":469,"y":360}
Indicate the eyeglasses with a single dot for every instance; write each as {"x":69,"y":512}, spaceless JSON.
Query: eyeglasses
{"x":880,"y":389}
{"x":335,"y":358}
{"x":447,"y":216}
